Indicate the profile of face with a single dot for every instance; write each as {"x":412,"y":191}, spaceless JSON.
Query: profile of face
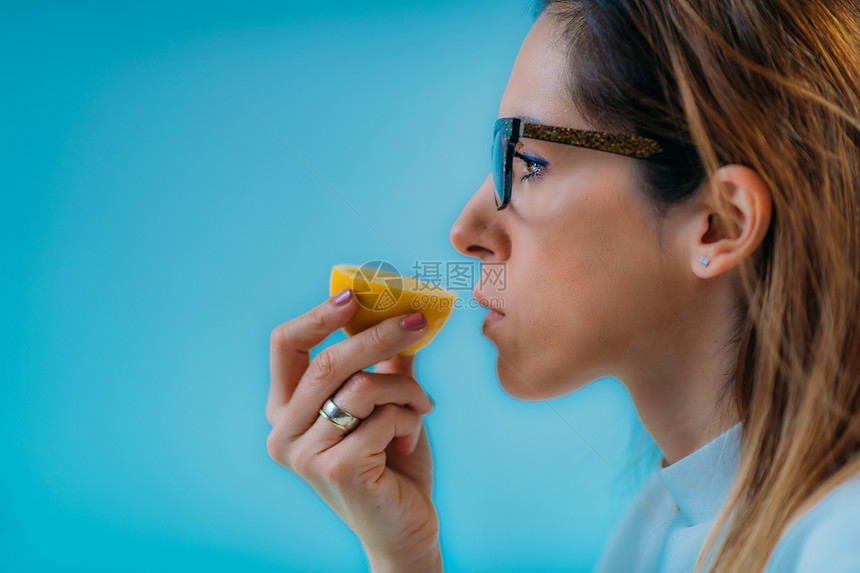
{"x":589,"y":289}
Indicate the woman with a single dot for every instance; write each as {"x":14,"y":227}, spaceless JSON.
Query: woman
{"x":697,"y":194}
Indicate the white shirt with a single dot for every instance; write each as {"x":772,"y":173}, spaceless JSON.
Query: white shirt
{"x":665,"y":527}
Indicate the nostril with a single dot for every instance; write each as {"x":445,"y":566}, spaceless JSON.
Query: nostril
{"x":477,"y":251}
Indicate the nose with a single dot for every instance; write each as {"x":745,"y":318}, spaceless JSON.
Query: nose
{"x":478,"y":231}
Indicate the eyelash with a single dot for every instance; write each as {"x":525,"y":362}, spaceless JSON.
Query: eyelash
{"x":534,"y":166}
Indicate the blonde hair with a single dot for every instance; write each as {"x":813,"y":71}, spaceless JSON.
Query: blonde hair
{"x":773,"y":85}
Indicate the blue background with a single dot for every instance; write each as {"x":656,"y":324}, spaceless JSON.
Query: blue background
{"x":155,"y":228}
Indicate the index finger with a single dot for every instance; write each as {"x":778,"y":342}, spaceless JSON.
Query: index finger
{"x":290,"y":344}
{"x":338,"y":362}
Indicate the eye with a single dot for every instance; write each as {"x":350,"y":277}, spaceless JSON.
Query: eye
{"x":534,"y":166}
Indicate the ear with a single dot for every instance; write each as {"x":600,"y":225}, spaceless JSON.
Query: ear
{"x":732,"y":222}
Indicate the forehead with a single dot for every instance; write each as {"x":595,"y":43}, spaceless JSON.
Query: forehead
{"x":539,"y":86}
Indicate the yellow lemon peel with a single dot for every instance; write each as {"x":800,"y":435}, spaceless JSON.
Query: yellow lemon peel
{"x":382,"y":295}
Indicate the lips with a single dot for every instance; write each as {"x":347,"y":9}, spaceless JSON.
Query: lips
{"x":487,"y":303}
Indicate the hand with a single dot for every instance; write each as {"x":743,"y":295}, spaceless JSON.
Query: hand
{"x":377,"y":477}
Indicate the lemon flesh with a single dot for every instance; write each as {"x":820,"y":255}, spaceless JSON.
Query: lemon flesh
{"x":383,"y":294}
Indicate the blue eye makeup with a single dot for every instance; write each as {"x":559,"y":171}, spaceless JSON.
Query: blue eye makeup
{"x":534,"y":165}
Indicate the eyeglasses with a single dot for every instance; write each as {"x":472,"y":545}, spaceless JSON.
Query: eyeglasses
{"x":509,"y":130}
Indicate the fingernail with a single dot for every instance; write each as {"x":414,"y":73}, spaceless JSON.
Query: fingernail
{"x":413,"y":322}
{"x":342,"y":297}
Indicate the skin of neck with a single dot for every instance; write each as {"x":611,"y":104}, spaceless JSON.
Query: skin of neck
{"x":677,"y":384}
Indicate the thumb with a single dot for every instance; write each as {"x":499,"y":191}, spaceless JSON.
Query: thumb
{"x":397,"y":365}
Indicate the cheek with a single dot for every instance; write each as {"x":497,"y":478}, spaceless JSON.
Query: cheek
{"x":584,"y":283}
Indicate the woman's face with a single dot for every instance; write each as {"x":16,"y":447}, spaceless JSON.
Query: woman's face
{"x":588,"y":292}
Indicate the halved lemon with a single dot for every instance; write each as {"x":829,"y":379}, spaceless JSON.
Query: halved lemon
{"x":381,"y":293}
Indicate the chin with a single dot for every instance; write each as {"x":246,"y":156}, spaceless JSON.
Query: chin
{"x":522,"y":385}
{"x":527,"y":385}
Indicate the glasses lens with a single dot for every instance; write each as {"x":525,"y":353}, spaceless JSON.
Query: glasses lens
{"x":500,"y":145}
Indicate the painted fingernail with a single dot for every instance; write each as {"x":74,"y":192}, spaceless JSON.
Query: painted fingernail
{"x":342,"y":297}
{"x":413,"y":322}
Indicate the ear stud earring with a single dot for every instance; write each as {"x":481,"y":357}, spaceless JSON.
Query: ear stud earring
{"x":705,"y":261}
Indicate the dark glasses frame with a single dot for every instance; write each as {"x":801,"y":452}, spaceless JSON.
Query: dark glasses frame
{"x":509,"y":130}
